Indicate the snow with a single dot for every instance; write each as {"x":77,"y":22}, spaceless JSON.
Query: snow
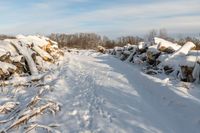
{"x":180,"y":57}
{"x":23,"y":50}
{"x":36,"y":40}
{"x":143,"y":45}
{"x":166,"y":44}
{"x":113,"y":97}
{"x":184,"y":50}
{"x":42,"y":53}
{"x":153,"y":49}
{"x":196,"y":72}
{"x":194,"y":52}
{"x":5,"y":47}
{"x":99,"y":93}
{"x":5,"y":66}
{"x":17,"y":58}
{"x":189,"y":61}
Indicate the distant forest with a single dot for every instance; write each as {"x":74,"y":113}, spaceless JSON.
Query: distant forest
{"x":92,"y":40}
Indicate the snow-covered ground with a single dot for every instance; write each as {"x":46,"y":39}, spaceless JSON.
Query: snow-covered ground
{"x":101,"y":94}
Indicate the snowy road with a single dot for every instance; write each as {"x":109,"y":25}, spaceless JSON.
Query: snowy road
{"x":99,"y":93}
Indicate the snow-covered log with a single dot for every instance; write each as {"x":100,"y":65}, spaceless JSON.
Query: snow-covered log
{"x":7,"y":107}
{"x":50,"y":48}
{"x":152,"y":54}
{"x":133,"y":52}
{"x":196,"y":72}
{"x":25,"y":51}
{"x":6,"y":47}
{"x":101,"y":49}
{"x":42,"y":53}
{"x":166,"y":46}
{"x":184,"y":50}
{"x":143,"y":46}
{"x":17,"y":81}
{"x":185,"y":74}
{"x":125,"y":55}
{"x":36,"y":40}
{"x":118,"y":51}
{"x":6,"y":57}
{"x":6,"y":70}
{"x":129,"y":47}
{"x":178,"y":57}
{"x":54,"y":107}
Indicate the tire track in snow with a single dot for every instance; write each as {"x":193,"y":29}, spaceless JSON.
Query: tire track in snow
{"x":85,"y":106}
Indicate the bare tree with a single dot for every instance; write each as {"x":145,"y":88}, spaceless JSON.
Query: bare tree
{"x":152,"y":33}
{"x":163,"y":33}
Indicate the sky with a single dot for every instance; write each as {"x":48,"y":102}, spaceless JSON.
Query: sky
{"x":112,"y":18}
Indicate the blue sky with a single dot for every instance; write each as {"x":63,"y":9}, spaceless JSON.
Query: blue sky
{"x":106,"y":17}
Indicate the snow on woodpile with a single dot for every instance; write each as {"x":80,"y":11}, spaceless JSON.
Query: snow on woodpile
{"x":196,"y":72}
{"x":27,"y":55}
{"x":124,"y":53}
{"x":152,"y":54}
{"x":163,"y":56}
{"x":118,"y":51}
{"x":6,"y":47}
{"x":143,"y":46}
{"x":166,"y":46}
{"x":178,"y":57}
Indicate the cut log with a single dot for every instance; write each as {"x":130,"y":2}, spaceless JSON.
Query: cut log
{"x":6,"y":47}
{"x":130,"y":57}
{"x":17,"y":81}
{"x":6,"y":58}
{"x":40,"y":42}
{"x":125,"y":55}
{"x":19,"y":62}
{"x":166,"y":46}
{"x":118,"y":51}
{"x":196,"y":72}
{"x":143,"y":46}
{"x":6,"y":70}
{"x":42,"y":53}
{"x":152,"y":54}
{"x":25,"y":51}
{"x":184,"y":65}
{"x":179,"y":57}
{"x":8,"y":107}
{"x":133,"y":51}
{"x":48,"y":48}
{"x":186,"y":74}
{"x":101,"y":49}
{"x":184,"y":50}
{"x":26,"y":117}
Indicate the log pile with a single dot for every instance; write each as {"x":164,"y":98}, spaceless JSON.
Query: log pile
{"x":163,"y":56}
{"x":27,"y":55}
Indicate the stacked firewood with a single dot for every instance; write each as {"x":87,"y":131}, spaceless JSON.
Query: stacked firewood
{"x":27,"y":55}
{"x":163,"y":56}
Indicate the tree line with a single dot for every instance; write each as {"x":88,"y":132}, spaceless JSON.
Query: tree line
{"x":92,"y":40}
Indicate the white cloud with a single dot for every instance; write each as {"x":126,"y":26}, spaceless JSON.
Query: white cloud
{"x":176,"y":16}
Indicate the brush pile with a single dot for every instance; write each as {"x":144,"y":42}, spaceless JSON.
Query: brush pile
{"x":162,"y":56}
